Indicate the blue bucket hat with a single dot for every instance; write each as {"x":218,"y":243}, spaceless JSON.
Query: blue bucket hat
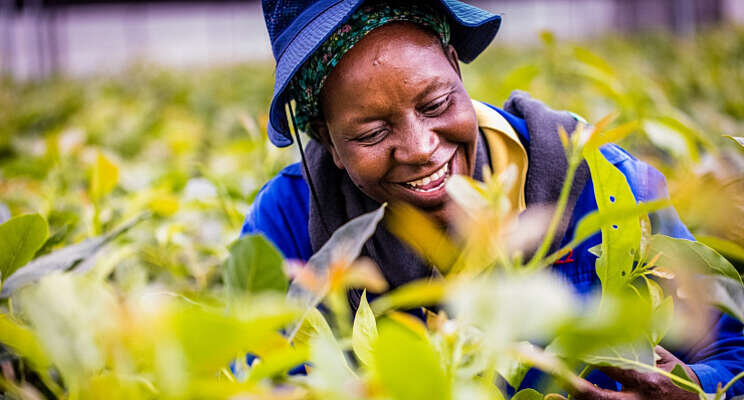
{"x":298,"y":27}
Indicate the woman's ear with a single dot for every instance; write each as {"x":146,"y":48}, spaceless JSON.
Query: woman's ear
{"x":453,"y":59}
{"x":320,"y":128}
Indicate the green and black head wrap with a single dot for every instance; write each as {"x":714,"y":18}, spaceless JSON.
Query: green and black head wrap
{"x":306,"y":85}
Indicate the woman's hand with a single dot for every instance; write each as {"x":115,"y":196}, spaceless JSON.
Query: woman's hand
{"x":642,"y":386}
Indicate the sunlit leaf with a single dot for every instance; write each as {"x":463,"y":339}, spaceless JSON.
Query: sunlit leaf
{"x":254,"y":266}
{"x":407,"y":366}
{"x":636,"y":356}
{"x":670,"y":139}
{"x":682,"y":253}
{"x":23,"y":341}
{"x":688,"y":385}
{"x":527,"y":394}
{"x":594,"y":221}
{"x":20,"y":238}
{"x":723,"y":246}
{"x":620,"y":240}
{"x":104,"y":177}
{"x":419,"y":232}
{"x":63,"y":259}
{"x":414,"y":294}
{"x":738,"y":140}
{"x":364,"y":331}
{"x":727,"y":294}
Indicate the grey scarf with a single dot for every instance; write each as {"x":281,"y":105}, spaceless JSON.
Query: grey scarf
{"x":342,"y":201}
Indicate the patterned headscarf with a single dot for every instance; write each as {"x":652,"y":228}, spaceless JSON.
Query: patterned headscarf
{"x":308,"y":82}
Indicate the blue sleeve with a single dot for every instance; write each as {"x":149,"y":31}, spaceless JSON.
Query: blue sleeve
{"x":280,"y":212}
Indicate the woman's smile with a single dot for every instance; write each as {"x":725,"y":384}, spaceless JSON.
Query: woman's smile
{"x":418,"y":123}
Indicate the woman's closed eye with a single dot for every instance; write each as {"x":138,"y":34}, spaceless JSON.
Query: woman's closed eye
{"x":371,"y":137}
{"x":436,"y":107}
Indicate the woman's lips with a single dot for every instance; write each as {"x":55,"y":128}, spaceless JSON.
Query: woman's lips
{"x":428,"y":191}
{"x":432,"y":182}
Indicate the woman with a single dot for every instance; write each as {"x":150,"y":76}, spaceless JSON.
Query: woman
{"x":377,"y":86}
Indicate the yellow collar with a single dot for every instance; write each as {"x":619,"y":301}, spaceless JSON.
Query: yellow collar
{"x":504,"y":148}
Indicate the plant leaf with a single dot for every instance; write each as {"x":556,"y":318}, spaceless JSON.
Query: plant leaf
{"x":254,"y":266}
{"x":679,"y":371}
{"x":64,"y":258}
{"x":408,"y":366}
{"x":527,"y":394}
{"x":420,"y":232}
{"x":738,"y":140}
{"x":104,"y":177}
{"x":417,"y":293}
{"x":20,"y":238}
{"x":723,"y":246}
{"x":679,"y":253}
{"x":620,"y":240}
{"x":596,"y":220}
{"x":364,"y":331}
{"x":727,"y":294}
{"x":636,"y":356}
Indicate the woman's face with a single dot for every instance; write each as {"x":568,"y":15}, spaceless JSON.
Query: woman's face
{"x":398,"y":119}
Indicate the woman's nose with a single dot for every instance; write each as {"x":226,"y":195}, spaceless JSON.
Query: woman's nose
{"x":417,"y":144}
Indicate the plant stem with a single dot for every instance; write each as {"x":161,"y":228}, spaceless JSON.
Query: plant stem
{"x":573,"y":164}
{"x":728,"y":385}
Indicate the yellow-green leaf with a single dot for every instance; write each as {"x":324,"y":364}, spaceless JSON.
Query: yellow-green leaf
{"x":364,"y":332}
{"x":104,"y":177}
{"x":20,"y":238}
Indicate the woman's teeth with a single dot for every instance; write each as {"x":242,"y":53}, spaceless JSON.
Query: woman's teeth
{"x":420,"y":184}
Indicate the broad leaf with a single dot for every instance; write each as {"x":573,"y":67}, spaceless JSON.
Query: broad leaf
{"x":513,"y":371}
{"x":738,"y":140}
{"x":727,"y":294}
{"x":344,"y":246}
{"x":63,"y":259}
{"x":637,"y":356}
{"x":682,"y":253}
{"x":407,"y":366}
{"x":723,"y":246}
{"x":104,"y":177}
{"x":254,"y":266}
{"x":415,"y":294}
{"x":364,"y":332}
{"x":527,"y":394}
{"x":20,"y":238}
{"x":596,"y":220}
{"x":423,"y":235}
{"x":620,"y":240}
{"x":23,"y":341}
{"x":680,"y":372}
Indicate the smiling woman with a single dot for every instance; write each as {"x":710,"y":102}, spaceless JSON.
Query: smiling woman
{"x":377,"y":86}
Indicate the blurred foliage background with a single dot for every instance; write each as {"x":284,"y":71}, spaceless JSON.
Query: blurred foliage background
{"x":190,"y":145}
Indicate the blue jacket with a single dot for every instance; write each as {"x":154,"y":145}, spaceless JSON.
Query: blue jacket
{"x":281,"y":209}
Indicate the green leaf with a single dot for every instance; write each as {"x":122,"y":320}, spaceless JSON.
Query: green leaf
{"x":513,"y":371}
{"x":689,"y":386}
{"x":683,"y":253}
{"x":20,"y":238}
{"x":723,"y":246}
{"x":104,"y":178}
{"x":738,"y":140}
{"x":671,"y":139}
{"x":254,"y":266}
{"x":364,"y":332}
{"x":345,"y":244}
{"x":417,"y":293}
{"x":621,"y":239}
{"x":727,"y":294}
{"x":63,"y":259}
{"x":636,"y":356}
{"x":23,"y":341}
{"x":527,"y":394}
{"x":408,"y":367}
{"x":313,"y":325}
{"x":596,"y":220}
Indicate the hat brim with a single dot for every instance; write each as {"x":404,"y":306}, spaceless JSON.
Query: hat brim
{"x":472,"y":29}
